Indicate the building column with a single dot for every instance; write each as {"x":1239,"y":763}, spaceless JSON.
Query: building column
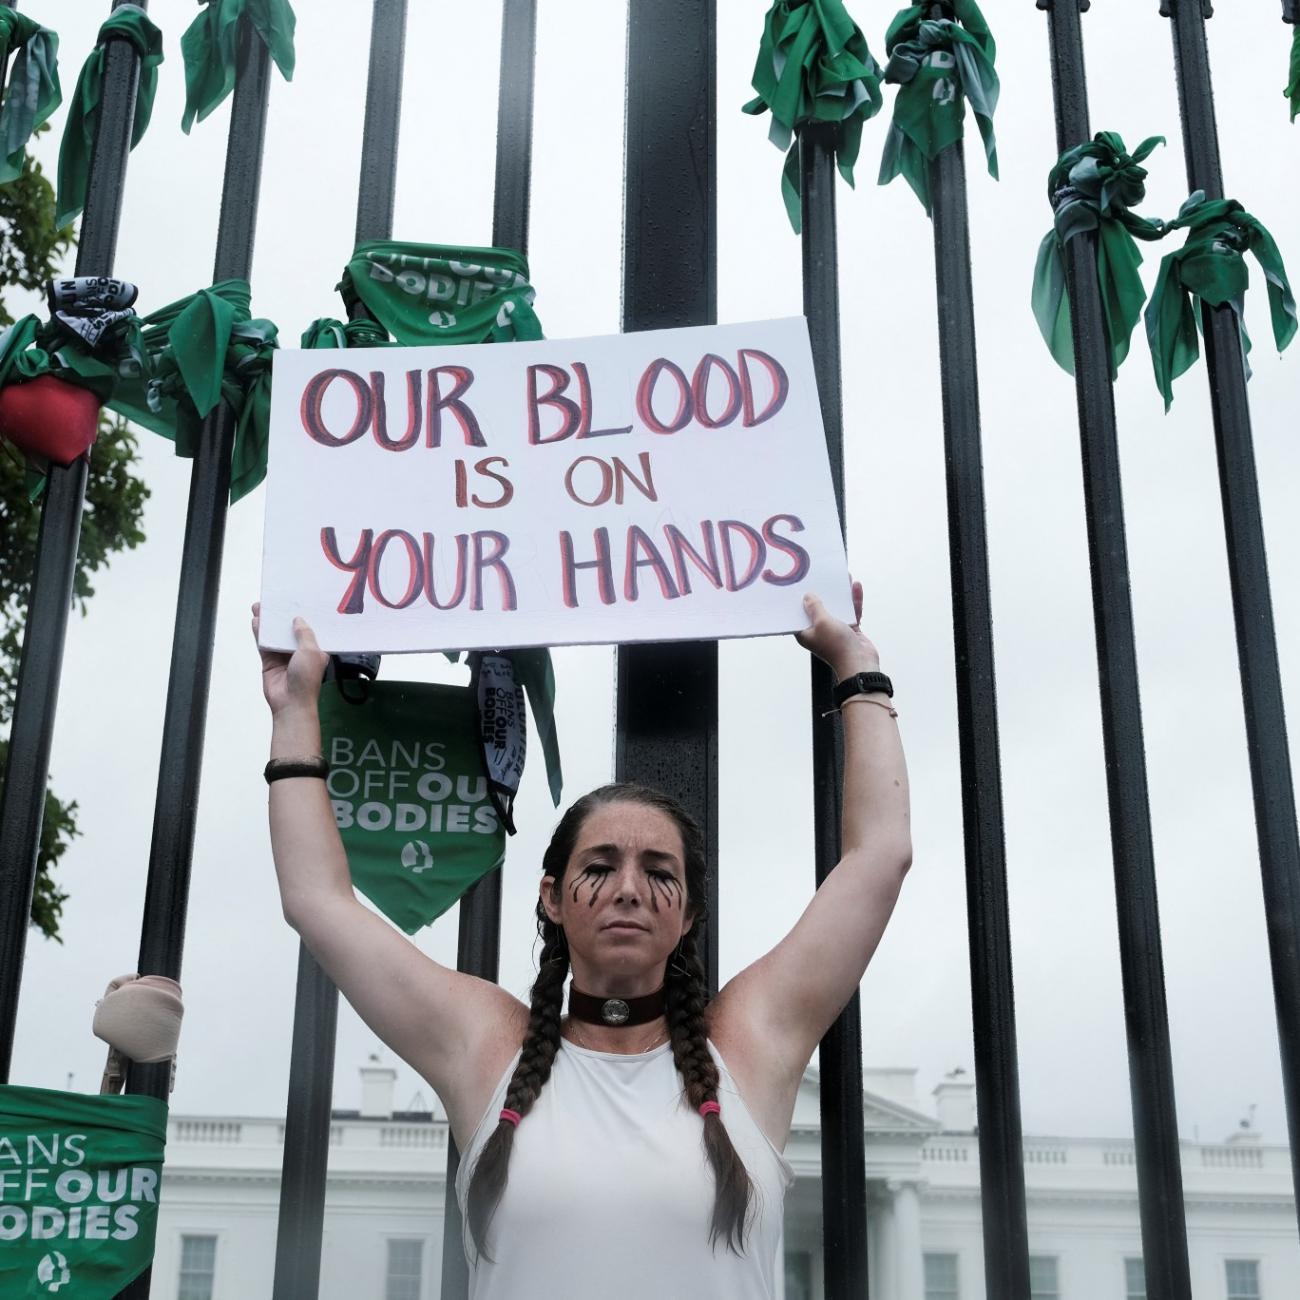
{"x":881,"y":1264}
{"x":909,"y":1273}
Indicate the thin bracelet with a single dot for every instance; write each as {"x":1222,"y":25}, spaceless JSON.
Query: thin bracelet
{"x":865,"y":699}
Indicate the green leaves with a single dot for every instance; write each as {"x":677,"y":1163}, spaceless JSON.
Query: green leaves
{"x":33,"y":91}
{"x":210,"y":48}
{"x":1210,"y":268}
{"x":1094,"y":186}
{"x":126,"y":23}
{"x":938,"y":65}
{"x":814,"y":67}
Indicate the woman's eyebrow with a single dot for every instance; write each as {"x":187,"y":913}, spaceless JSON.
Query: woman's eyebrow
{"x":599,"y":850}
{"x":658,"y":855}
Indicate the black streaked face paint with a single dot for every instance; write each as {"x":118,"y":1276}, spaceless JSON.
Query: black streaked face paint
{"x":595,"y":875}
{"x":666,"y":886}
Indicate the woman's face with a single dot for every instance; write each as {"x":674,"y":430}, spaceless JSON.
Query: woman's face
{"x":622,"y":901}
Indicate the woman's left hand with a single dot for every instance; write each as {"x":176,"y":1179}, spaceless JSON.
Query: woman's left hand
{"x":845,"y":650}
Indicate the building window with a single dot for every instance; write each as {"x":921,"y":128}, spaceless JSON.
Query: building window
{"x":941,"y":1277}
{"x":798,"y":1275}
{"x":198,"y":1263}
{"x":1243,"y":1279}
{"x":1043,"y":1281}
{"x":1135,"y":1280}
{"x":405,"y":1264}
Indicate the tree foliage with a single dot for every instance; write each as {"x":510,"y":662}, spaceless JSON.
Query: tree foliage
{"x":31,"y":252}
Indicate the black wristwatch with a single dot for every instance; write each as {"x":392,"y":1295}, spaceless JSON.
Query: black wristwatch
{"x":861,"y":684}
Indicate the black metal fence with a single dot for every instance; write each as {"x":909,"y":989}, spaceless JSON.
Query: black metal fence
{"x":667,"y":696}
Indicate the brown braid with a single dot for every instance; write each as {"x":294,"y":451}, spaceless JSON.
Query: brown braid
{"x":687,"y":997}
{"x":541,"y":1042}
{"x":687,"y":994}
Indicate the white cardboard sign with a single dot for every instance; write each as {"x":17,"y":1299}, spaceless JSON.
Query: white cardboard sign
{"x":667,"y":485}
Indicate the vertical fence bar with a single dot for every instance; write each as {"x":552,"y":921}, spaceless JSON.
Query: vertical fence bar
{"x":997,"y":1071}
{"x":162,"y":937}
{"x":667,"y":695}
{"x":478,"y":949}
{"x":1261,"y":679}
{"x":843,"y":1128}
{"x":1155,"y":1121}
{"x":304,"y":1169}
{"x":22,"y":804}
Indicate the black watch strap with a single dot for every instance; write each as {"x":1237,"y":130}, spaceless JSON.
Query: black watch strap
{"x":862,"y":684}
{"x":280,"y":768}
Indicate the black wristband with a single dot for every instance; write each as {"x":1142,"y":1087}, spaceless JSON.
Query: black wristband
{"x":279,"y":768}
{"x":861,"y":684}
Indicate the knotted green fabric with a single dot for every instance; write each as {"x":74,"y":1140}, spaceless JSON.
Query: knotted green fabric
{"x":125,"y":23}
{"x":190,"y":355}
{"x":938,"y":65}
{"x":1211,"y":268}
{"x":814,"y":67}
{"x":1292,"y":92}
{"x":1093,"y":187}
{"x":210,"y":48}
{"x":428,"y":293}
{"x":360,"y":333}
{"x":33,"y":92}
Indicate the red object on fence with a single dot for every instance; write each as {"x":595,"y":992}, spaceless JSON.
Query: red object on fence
{"x":49,"y":419}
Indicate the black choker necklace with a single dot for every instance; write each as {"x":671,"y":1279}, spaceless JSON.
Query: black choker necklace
{"x":615,"y":1011}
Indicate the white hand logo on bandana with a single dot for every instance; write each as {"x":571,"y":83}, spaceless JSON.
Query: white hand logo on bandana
{"x":416,"y":856}
{"x":53,"y":1271}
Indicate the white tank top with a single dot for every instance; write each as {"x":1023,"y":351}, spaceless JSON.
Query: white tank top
{"x":610,"y":1194}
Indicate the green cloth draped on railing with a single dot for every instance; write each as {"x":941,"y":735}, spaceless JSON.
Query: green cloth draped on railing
{"x":189,"y":356}
{"x":1211,"y":267}
{"x":1093,"y":187}
{"x":32,"y":347}
{"x":33,"y":92}
{"x":1292,"y":92}
{"x":127,"y":22}
{"x":210,"y":48}
{"x":938,"y":65}
{"x":814,"y":67}
{"x":360,"y":333}
{"x":429,"y":293}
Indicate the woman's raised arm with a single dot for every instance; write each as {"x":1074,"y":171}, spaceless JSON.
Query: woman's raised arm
{"x":770,"y":1017}
{"x":459,"y":1032}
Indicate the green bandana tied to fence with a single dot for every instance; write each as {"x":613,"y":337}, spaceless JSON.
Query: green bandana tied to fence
{"x":1211,"y":268}
{"x":938,"y":65}
{"x":125,"y":23}
{"x":80,"y":1176}
{"x":190,"y":355}
{"x":814,"y":67}
{"x":1093,"y":187}
{"x":33,"y":92}
{"x":1292,"y":92}
{"x":210,"y":47}
{"x":410,"y":795}
{"x":430,"y":294}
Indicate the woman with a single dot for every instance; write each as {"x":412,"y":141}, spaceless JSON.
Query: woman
{"x":631,"y":1148}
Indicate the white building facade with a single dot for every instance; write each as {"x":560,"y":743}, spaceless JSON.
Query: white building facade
{"x":384,"y":1206}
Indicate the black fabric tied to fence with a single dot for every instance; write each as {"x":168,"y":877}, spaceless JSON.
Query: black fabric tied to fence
{"x":667,"y":695}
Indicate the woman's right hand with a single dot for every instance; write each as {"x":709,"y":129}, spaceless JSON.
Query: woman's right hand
{"x":292,"y":681}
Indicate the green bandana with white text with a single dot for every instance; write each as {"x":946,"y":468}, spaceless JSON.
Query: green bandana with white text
{"x":79,"y":1180}
{"x":938,"y":65}
{"x":410,"y":794}
{"x":430,"y":294}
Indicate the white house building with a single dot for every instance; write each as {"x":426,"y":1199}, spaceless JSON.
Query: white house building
{"x":384,"y":1207}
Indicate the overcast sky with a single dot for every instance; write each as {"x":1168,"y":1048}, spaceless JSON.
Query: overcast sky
{"x":240,"y":956}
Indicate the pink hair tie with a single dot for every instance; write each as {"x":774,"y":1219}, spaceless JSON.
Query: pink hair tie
{"x":710,"y":1108}
{"x":511,"y":1117}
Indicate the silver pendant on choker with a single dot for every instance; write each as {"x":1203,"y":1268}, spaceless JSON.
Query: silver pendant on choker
{"x":614,"y":1011}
